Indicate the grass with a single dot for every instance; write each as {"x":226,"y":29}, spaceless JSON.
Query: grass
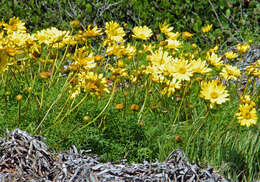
{"x":160,"y":124}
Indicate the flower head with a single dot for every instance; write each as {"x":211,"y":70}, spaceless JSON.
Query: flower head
{"x":186,"y":35}
{"x":14,"y":25}
{"x":165,"y":28}
{"x":199,"y":66}
{"x":214,"y":60}
{"x":180,"y":69}
{"x":95,"y":31}
{"x":243,"y":48}
{"x":206,"y":28}
{"x":173,"y":44}
{"x":214,"y":91}
{"x":247,"y":115}
{"x":114,"y":31}
{"x":231,"y":55}
{"x":230,"y":72}
{"x":143,"y":33}
{"x":171,"y":86}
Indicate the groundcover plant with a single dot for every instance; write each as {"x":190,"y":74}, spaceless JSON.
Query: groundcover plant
{"x":133,"y":94}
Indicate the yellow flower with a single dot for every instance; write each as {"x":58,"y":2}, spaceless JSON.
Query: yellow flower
{"x":94,"y":83}
{"x":247,"y":115}
{"x":199,"y":66}
{"x":231,"y":55}
{"x":15,"y":24}
{"x":173,"y":44}
{"x":213,"y":50}
{"x":173,"y":36}
{"x":243,"y":48}
{"x":115,"y":49}
{"x":52,"y":37}
{"x":214,"y":60}
{"x":129,"y":50}
{"x":179,"y":69}
{"x":253,"y":70}
{"x":171,"y":86}
{"x":159,"y":57}
{"x":93,"y":32}
{"x":3,"y":61}
{"x":148,"y":48}
{"x":206,"y":28}
{"x":186,"y":35}
{"x":114,"y":31}
{"x":143,"y":33}
{"x":230,"y":72}
{"x":245,"y":99}
{"x":165,"y":28}
{"x":214,"y":91}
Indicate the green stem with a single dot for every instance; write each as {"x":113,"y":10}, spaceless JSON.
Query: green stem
{"x":197,"y":129}
{"x":182,"y":100}
{"x":108,"y":102}
{"x":145,"y":99}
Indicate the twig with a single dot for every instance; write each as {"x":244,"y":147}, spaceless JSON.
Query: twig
{"x":213,"y":8}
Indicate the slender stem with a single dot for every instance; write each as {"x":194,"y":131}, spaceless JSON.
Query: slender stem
{"x":19,"y":113}
{"x":145,"y":99}
{"x":78,"y":125}
{"x":196,"y":130}
{"x":64,"y":88}
{"x":182,"y":100}
{"x":108,"y":102}
{"x":230,"y":126}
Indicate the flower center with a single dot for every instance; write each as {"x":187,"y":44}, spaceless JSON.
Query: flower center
{"x":182,"y":70}
{"x":214,"y":95}
{"x":247,"y":115}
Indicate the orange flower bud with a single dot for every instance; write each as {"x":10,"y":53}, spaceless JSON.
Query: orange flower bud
{"x":45,"y":75}
{"x":19,"y":97}
{"x":134,"y":107}
{"x":178,"y":139}
{"x":120,"y":106}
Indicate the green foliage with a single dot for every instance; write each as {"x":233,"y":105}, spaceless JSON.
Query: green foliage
{"x":234,"y":18}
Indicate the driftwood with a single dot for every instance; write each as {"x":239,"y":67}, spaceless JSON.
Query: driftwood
{"x":27,"y":158}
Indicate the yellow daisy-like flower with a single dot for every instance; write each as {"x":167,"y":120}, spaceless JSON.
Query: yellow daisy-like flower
{"x":173,"y":44}
{"x":143,"y":33}
{"x":52,"y":37}
{"x":253,"y":70}
{"x":114,"y":31}
{"x":173,"y":36}
{"x":165,"y":28}
{"x":171,"y":86}
{"x":199,"y":66}
{"x":214,"y":91}
{"x":243,"y":48}
{"x":129,"y":50}
{"x":15,"y":24}
{"x":159,"y":57}
{"x":206,"y":28}
{"x":94,"y":83}
{"x":93,"y":32}
{"x":231,"y":55}
{"x":214,"y":60}
{"x":245,"y":99}
{"x":3,"y":60}
{"x":213,"y":50}
{"x":179,"y":69}
{"x":186,"y":35}
{"x":247,"y":115}
{"x":230,"y":72}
